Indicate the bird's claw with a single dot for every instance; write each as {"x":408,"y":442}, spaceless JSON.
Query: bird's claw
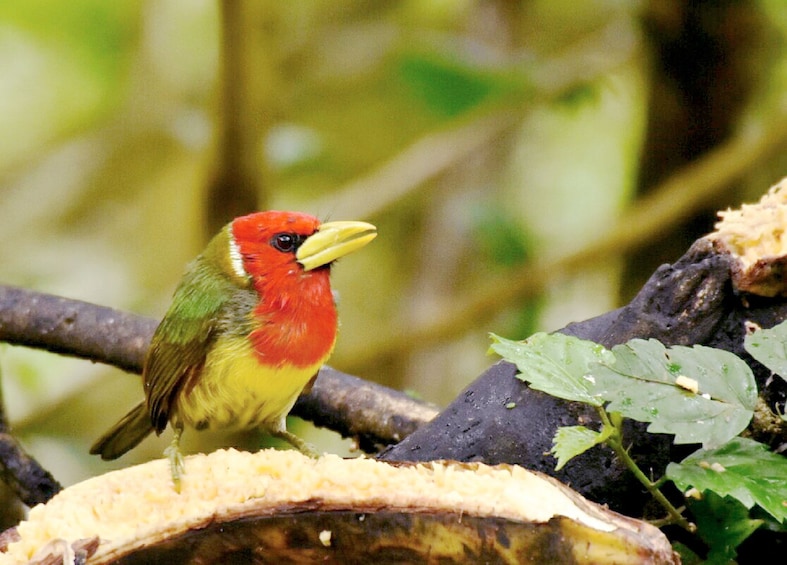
{"x":304,"y":447}
{"x":177,"y":466}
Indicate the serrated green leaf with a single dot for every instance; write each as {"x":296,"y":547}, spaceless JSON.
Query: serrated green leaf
{"x":570,"y":441}
{"x":723,"y":523}
{"x":555,"y":363}
{"x":643,"y":384}
{"x":743,"y":469}
{"x":769,"y":347}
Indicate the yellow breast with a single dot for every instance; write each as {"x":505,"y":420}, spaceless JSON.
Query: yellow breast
{"x":236,"y":391}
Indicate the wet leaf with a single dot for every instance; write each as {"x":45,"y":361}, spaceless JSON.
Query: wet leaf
{"x":743,"y":469}
{"x":570,"y":441}
{"x":555,"y":363}
{"x":769,"y":347}
{"x":699,"y":394}
{"x":723,"y":523}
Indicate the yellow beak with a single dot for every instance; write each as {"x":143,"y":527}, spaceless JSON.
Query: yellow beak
{"x":333,"y":240}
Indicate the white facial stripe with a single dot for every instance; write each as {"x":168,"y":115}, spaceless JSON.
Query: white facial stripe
{"x":236,"y":259}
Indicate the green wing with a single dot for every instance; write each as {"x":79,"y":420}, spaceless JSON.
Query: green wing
{"x":200,"y":306}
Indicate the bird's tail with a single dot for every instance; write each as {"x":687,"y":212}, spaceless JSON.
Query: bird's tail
{"x":126,"y":434}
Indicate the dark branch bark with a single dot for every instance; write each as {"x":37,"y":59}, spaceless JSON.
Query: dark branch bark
{"x":31,"y":483}
{"x":75,"y":328}
{"x":375,"y":416}
{"x":23,"y":476}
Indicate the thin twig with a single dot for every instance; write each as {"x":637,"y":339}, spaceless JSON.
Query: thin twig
{"x":615,"y":442}
{"x":420,"y":162}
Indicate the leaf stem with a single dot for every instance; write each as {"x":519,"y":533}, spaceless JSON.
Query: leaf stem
{"x":615,"y":441}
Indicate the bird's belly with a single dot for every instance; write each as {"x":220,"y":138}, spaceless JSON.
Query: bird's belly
{"x":236,"y":391}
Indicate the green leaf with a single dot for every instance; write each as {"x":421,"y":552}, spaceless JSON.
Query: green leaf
{"x":699,"y":394}
{"x":650,"y":383}
{"x":686,"y":554}
{"x":555,"y":363}
{"x":769,"y":347}
{"x":723,"y":523}
{"x":570,"y":441}
{"x":743,"y":469}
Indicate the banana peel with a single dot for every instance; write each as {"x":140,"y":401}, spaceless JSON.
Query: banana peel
{"x":755,"y":237}
{"x":281,"y":507}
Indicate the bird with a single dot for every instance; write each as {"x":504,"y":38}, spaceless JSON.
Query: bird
{"x":250,"y":324}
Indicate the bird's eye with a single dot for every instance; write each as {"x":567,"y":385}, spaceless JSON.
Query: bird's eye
{"x":286,"y":242}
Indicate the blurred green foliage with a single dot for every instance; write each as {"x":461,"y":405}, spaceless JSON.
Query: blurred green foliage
{"x":500,"y":237}
{"x":449,"y":87}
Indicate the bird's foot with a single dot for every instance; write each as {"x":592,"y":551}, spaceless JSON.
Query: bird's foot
{"x":177,"y":466}
{"x":304,"y":447}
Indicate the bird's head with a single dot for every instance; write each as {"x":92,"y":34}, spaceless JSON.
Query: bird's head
{"x":286,"y":244}
{"x":285,"y":258}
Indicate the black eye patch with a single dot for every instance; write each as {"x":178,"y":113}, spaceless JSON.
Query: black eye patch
{"x":287,"y":242}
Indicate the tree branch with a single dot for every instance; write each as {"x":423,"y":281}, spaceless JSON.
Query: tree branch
{"x":74,"y":328}
{"x":22,"y":474}
{"x":26,"y":478}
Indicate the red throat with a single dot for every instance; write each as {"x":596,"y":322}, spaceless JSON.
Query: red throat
{"x":297,"y":321}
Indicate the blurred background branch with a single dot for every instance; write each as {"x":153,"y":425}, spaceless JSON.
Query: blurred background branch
{"x":248,"y":100}
{"x":664,"y":208}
